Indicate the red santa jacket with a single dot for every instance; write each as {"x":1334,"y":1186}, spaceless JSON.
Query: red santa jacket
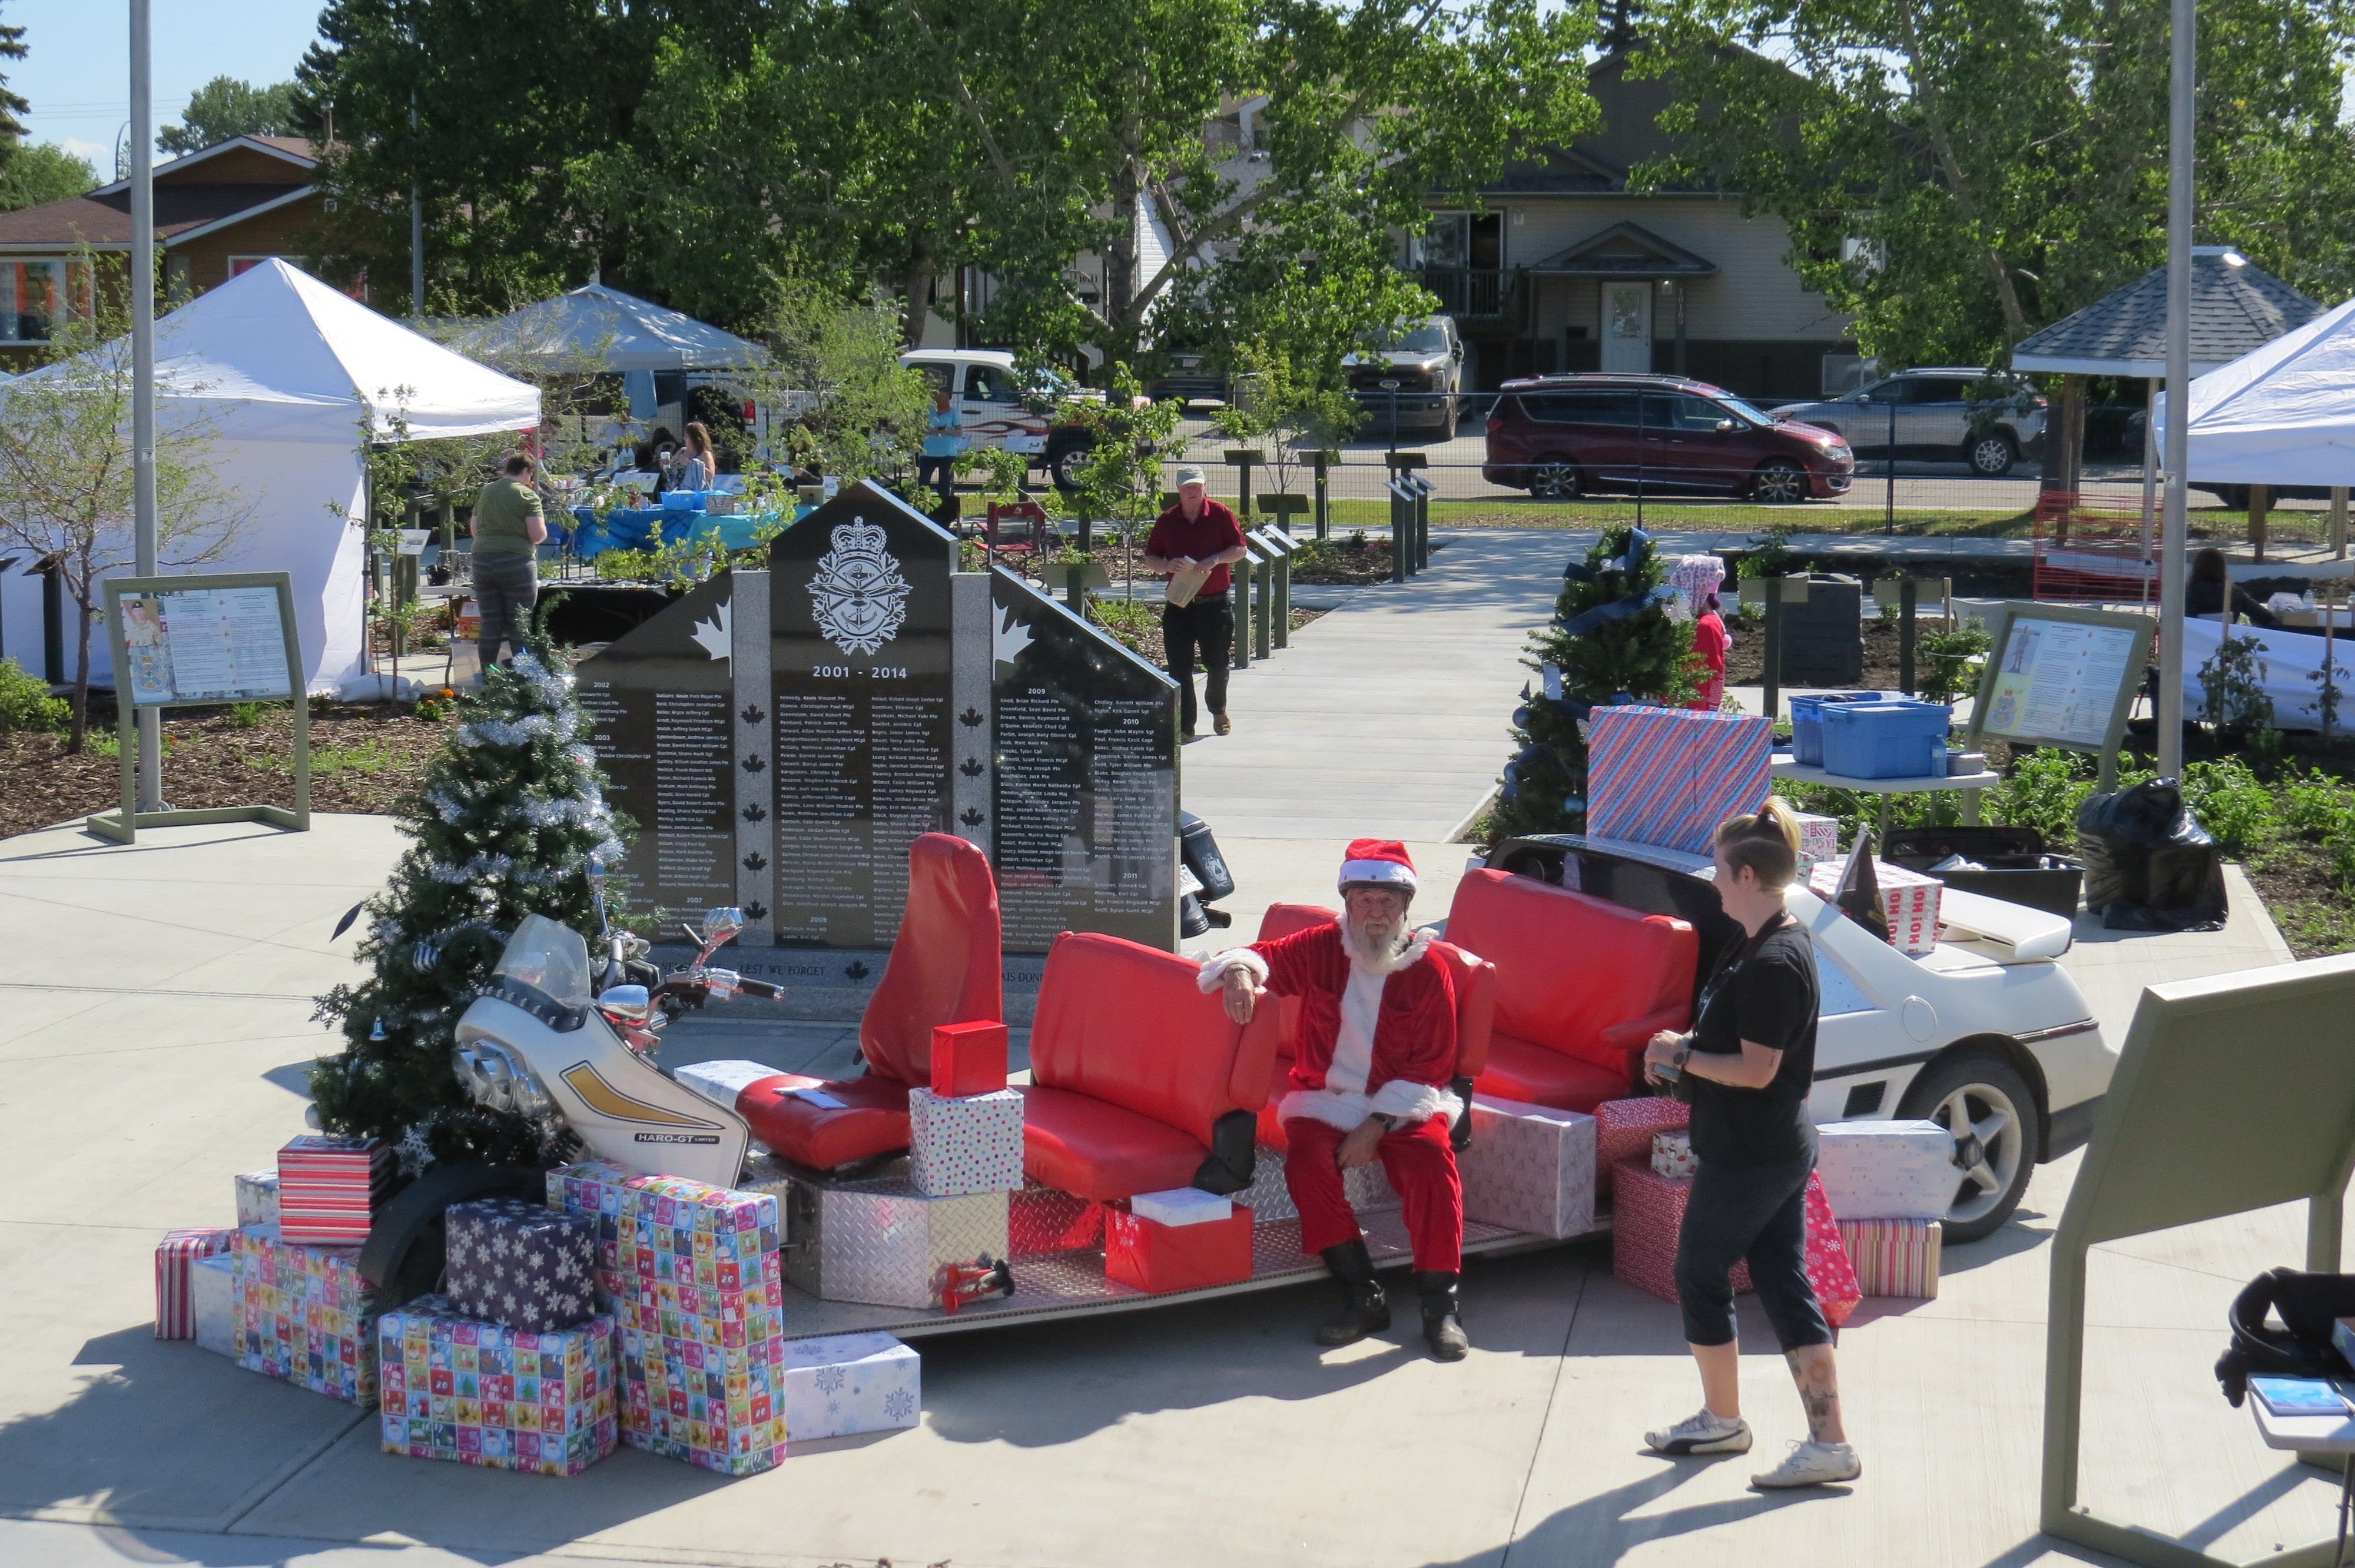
{"x":1414,"y":1033}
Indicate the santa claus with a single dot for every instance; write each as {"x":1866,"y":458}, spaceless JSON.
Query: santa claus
{"x":1370,"y":1072}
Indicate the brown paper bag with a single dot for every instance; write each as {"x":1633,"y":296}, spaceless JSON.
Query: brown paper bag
{"x":1186,"y":582}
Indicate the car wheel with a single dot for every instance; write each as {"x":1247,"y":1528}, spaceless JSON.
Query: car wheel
{"x":1554,"y":480}
{"x":1778,"y":483}
{"x":1992,"y":455}
{"x":1063,"y":465}
{"x":1991,"y":1111}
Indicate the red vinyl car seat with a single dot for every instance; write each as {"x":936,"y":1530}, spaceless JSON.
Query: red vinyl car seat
{"x":945,"y":967}
{"x":1581,"y":984}
{"x":1138,"y":1082}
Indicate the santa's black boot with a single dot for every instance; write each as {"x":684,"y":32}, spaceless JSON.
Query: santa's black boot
{"x":1364,"y":1309}
{"x":1441,"y":1329}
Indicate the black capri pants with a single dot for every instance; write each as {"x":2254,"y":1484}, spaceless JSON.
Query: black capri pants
{"x":1758,"y":1213}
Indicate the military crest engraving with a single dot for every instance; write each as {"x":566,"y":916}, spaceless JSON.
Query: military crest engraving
{"x":859,"y":598}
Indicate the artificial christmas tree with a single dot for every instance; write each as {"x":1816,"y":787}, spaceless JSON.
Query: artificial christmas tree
{"x":509,"y":816}
{"x":1611,"y":641}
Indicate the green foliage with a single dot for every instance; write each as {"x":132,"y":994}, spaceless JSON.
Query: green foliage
{"x":226,"y":107}
{"x":2232,"y":803}
{"x":247,"y":716}
{"x":1644,"y":656}
{"x":26,"y":704}
{"x":1126,"y":619}
{"x":37,"y":172}
{"x":2233,"y":686}
{"x":858,"y":411}
{"x":1856,"y":811}
{"x":1001,"y":474}
{"x":2044,"y":790}
{"x":507,"y":818}
{"x":1947,"y":663}
{"x":1120,"y":477}
{"x":1287,"y":407}
{"x":681,"y":563}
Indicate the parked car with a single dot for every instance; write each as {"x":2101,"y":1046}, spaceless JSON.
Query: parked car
{"x":1942,"y":413}
{"x":1988,"y":1036}
{"x":999,"y":407}
{"x":1412,"y":381}
{"x":1559,"y":437}
{"x":1190,"y":379}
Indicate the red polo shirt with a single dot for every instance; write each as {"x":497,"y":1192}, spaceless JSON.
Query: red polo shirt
{"x":1214,"y":530}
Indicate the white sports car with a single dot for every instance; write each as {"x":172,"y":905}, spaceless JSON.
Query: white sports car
{"x":1988,"y":1034}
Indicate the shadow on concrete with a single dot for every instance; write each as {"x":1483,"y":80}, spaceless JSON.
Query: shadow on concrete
{"x":295,"y":1077}
{"x":2027,"y":1230}
{"x":1597,"y":1530}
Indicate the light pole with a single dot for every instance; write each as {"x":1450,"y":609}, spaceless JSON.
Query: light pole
{"x":141,"y":283}
{"x":2172,"y":529}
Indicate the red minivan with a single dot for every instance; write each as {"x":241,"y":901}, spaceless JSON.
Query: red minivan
{"x":1559,"y":437}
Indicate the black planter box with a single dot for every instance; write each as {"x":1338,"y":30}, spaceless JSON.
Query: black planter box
{"x":2019,"y":870}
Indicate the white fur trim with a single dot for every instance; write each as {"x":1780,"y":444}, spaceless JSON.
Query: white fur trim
{"x":1410,"y":1102}
{"x":1212,"y":975}
{"x":1377,"y":874}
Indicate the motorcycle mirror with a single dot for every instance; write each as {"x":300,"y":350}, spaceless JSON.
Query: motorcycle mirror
{"x":719,"y":924}
{"x":625,"y":1004}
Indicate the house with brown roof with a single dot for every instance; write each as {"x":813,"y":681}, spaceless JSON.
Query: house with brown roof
{"x":219,"y":211}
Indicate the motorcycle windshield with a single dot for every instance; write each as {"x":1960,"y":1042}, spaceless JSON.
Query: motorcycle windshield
{"x":550,"y":956}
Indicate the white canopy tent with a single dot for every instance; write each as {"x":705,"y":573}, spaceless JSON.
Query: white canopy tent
{"x":595,"y":327}
{"x":2282,"y":414}
{"x":286,"y":377}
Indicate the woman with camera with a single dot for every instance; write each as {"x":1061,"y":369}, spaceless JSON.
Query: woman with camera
{"x":1746,"y":1067}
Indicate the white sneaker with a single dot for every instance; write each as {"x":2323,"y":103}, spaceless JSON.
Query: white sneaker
{"x":1811,"y":1465}
{"x":1702,"y":1433}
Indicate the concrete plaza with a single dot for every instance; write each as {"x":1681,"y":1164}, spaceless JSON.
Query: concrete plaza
{"x":154,"y":1044}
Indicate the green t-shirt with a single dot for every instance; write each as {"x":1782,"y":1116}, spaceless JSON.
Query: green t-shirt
{"x":502,"y":515}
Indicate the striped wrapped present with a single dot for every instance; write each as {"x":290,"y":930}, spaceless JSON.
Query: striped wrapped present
{"x":176,"y":1254}
{"x":1667,"y":776}
{"x":329,"y":1188}
{"x":1894,"y":1257}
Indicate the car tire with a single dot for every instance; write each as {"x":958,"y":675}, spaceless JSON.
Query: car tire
{"x":1063,"y":464}
{"x":1983,"y":1090}
{"x":1778,"y":482}
{"x":1991,"y":455}
{"x":1555,"y":479}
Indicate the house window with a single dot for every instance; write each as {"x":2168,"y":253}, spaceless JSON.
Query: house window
{"x":35,"y":296}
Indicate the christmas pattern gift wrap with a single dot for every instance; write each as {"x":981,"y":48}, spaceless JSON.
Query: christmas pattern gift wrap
{"x":175,"y":1255}
{"x":845,"y":1385}
{"x":303,"y":1316}
{"x":715,"y":1407}
{"x":329,"y":1188}
{"x":1894,"y":1257}
{"x":702,"y":1262}
{"x":1672,"y":1154}
{"x":212,"y":1299}
{"x":1623,"y":1130}
{"x":1818,"y":839}
{"x":1887,"y":1170}
{"x":593,"y":1188}
{"x":459,"y":1389}
{"x":257,"y":1197}
{"x":521,"y":1265}
{"x":1530,"y":1167}
{"x":970,"y":1143}
{"x":1667,"y":776}
{"x":1908,"y":901}
{"x":1651,"y":1209}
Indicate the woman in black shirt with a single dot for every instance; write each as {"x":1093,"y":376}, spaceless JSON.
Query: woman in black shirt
{"x":1750,"y":1062}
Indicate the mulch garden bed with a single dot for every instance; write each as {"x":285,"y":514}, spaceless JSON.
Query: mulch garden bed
{"x":1746,"y":661}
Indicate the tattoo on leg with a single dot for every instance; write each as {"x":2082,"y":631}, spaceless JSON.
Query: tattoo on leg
{"x":1818,"y":1393}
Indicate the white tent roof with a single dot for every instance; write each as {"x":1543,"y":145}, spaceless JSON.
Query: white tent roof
{"x":613,"y":331}
{"x":2283,"y":414}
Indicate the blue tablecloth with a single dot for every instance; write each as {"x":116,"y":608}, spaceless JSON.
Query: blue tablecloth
{"x":626,"y":528}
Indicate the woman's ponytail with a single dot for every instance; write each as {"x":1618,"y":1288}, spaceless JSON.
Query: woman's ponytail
{"x":1766,"y":841}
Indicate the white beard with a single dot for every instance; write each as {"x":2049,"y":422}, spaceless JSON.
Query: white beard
{"x":1377,"y":957}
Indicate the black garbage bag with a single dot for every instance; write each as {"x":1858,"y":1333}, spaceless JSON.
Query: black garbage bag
{"x":2149,"y":866}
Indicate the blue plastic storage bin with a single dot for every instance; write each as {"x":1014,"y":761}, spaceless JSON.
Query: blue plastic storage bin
{"x":683,"y":499}
{"x":1901,"y":739}
{"x":1807,"y":730}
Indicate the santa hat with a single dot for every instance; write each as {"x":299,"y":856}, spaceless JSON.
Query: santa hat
{"x":1377,"y":863}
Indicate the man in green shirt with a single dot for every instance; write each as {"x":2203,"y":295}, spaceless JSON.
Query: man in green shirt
{"x":509,"y":528}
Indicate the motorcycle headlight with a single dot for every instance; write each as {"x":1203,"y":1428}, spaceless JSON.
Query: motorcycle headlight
{"x":496,"y":1081}
{"x":527,"y":1094}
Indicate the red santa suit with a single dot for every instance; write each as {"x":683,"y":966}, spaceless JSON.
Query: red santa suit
{"x":1373,"y":1037}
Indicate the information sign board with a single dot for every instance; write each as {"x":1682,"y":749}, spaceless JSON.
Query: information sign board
{"x":2063,"y":676}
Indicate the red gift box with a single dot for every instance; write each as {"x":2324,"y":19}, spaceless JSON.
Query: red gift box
{"x":176,"y":1313}
{"x":1624,"y":1128}
{"x":1651,"y":1209}
{"x":329,"y":1188}
{"x":1149,"y":1255}
{"x":968,"y":1059}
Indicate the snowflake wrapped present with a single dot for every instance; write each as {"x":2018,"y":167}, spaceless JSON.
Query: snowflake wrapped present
{"x":848,"y":1384}
{"x":521,"y":1265}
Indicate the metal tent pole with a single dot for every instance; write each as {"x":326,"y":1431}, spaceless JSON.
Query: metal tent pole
{"x":141,"y":284}
{"x":2172,"y":534}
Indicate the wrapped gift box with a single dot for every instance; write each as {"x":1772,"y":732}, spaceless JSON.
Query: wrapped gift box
{"x":257,"y":1197}
{"x":721,"y":1407}
{"x":521,"y":1265}
{"x":1368,"y":1188}
{"x":1041,"y":1222}
{"x":657,"y":1231}
{"x":459,"y":1389}
{"x":1894,"y":1257}
{"x":1818,"y":839}
{"x":1669,"y":775}
{"x":1146,"y":1255}
{"x":1672,"y":1154}
{"x":722,"y":1082}
{"x":968,"y":1059}
{"x":1908,"y":901}
{"x":212,"y":1300}
{"x":968,"y":1144}
{"x":1181,"y":1206}
{"x":176,"y":1254}
{"x":303,"y":1315}
{"x":1530,"y":1168}
{"x":329,"y":1188}
{"x":1623,"y":1130}
{"x":1651,"y":1209}
{"x":880,"y":1241}
{"x":1887,"y":1170}
{"x":845,"y":1385}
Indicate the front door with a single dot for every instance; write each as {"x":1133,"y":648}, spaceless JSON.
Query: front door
{"x":1627,"y":328}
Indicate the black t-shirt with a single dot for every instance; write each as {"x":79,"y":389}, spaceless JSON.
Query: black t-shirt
{"x":1768,"y":996}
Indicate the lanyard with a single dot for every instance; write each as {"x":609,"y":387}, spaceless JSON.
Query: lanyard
{"x":1732,"y":967}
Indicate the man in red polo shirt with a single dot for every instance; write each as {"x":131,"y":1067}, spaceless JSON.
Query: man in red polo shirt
{"x":1198,"y":532}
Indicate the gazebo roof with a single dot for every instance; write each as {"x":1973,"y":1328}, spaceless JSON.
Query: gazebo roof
{"x":2236,"y":306}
